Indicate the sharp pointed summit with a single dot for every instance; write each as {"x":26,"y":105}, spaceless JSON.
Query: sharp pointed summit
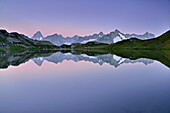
{"x":37,"y":36}
{"x":117,"y":31}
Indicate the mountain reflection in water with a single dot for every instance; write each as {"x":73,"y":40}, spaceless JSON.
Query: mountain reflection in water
{"x":114,"y":60}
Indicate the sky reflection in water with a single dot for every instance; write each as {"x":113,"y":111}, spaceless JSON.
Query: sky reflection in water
{"x":84,"y":87}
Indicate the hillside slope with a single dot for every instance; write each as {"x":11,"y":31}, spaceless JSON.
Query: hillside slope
{"x":15,"y":41}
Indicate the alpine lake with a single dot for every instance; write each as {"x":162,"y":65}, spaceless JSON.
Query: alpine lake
{"x":85,"y":82}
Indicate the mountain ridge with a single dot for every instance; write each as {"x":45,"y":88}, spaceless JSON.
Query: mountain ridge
{"x":112,"y":37}
{"x":160,"y":42}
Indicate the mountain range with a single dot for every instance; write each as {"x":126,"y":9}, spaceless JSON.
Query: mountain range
{"x":17,"y":48}
{"x":161,"y":42}
{"x":109,"y":38}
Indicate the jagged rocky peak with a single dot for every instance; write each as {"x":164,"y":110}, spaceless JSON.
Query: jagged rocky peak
{"x":75,"y":36}
{"x":38,"y":36}
{"x":147,"y":34}
{"x":117,"y":31}
{"x":54,"y":34}
{"x":101,"y":34}
{"x":109,"y":38}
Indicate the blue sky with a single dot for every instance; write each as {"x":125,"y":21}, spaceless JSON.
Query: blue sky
{"x":84,"y":17}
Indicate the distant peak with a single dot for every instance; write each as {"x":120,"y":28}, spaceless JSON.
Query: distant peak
{"x":55,"y":34}
{"x":75,"y":36}
{"x":37,"y":35}
{"x":117,"y":30}
{"x":38,"y":32}
{"x":101,"y":33}
{"x":147,"y":33}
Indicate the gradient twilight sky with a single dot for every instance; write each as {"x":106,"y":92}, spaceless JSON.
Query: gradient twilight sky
{"x":84,"y":17}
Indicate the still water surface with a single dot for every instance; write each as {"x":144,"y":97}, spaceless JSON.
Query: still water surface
{"x":85,"y":87}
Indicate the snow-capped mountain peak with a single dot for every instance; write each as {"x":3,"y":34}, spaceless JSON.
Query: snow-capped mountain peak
{"x":109,"y":38}
{"x":37,"y":36}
